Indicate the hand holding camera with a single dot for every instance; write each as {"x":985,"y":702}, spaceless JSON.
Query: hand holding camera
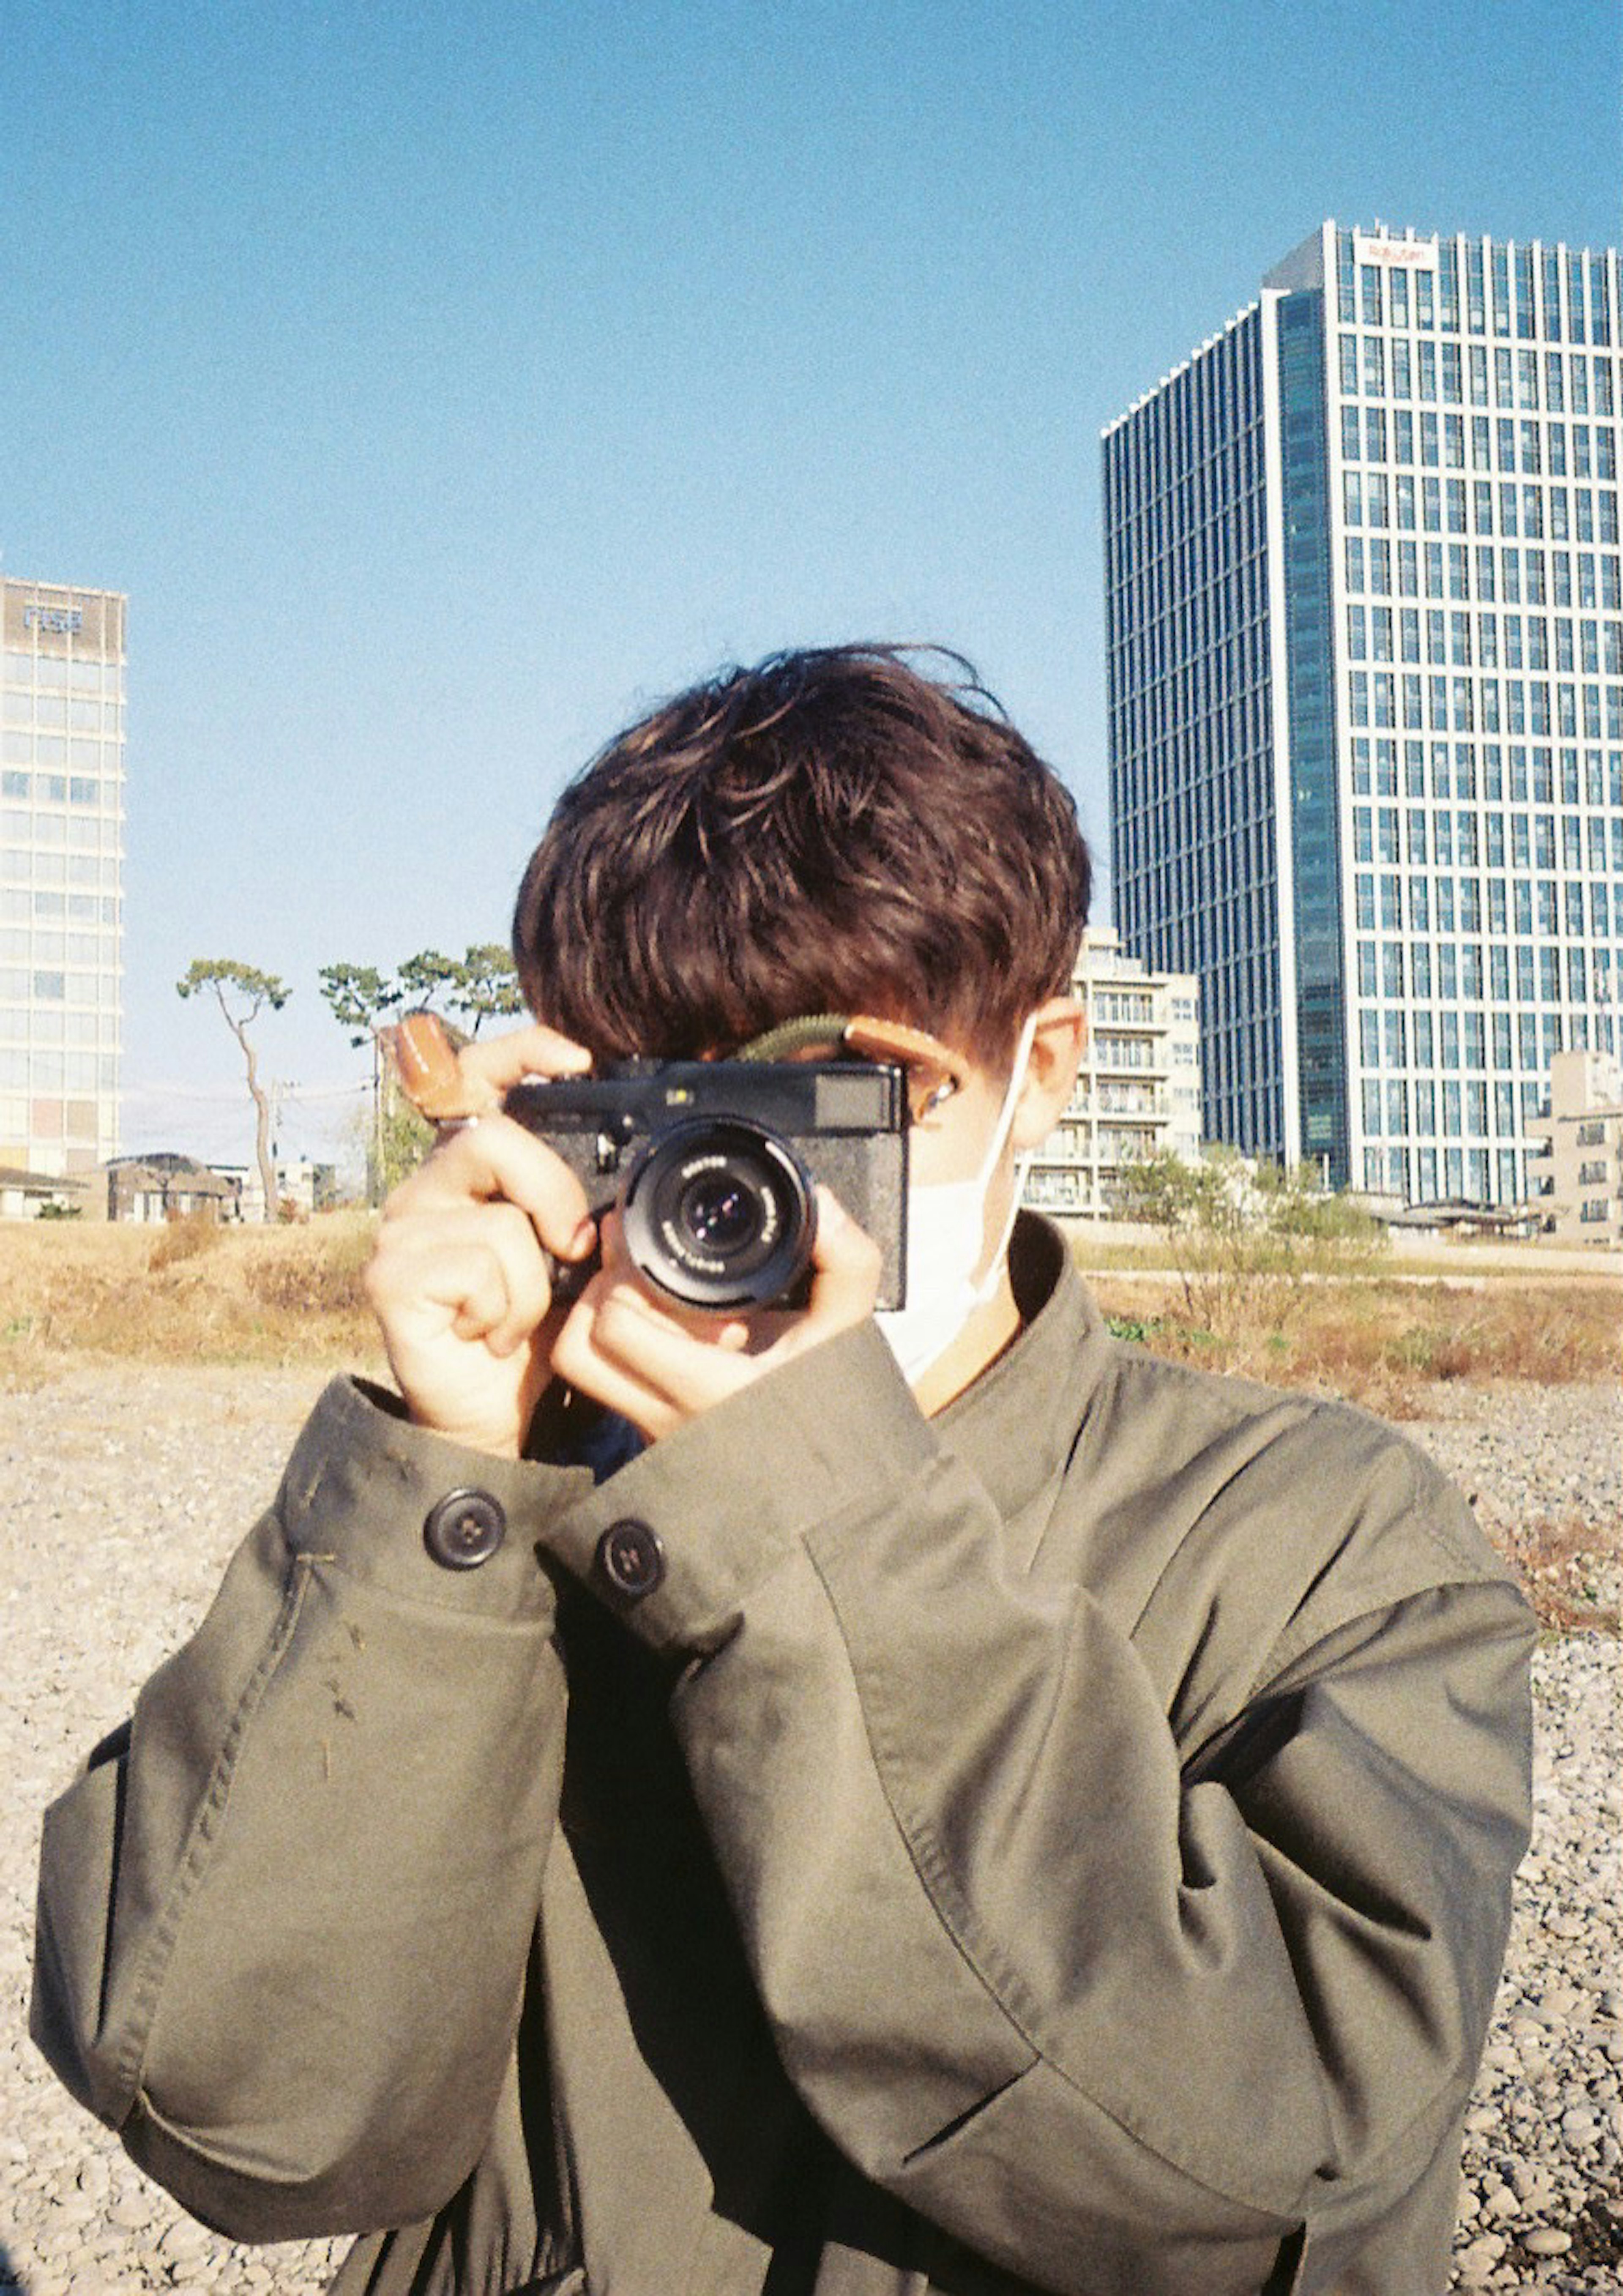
{"x":714,"y":1167}
{"x":708,"y":1186}
{"x":460,"y":1278}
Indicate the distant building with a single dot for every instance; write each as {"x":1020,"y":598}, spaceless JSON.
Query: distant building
{"x":61,"y":850}
{"x":35,"y":1196}
{"x":1578,"y":1163}
{"x":1364,"y":640}
{"x":1138,"y":1091}
{"x":302,"y":1188}
{"x":164,"y":1186}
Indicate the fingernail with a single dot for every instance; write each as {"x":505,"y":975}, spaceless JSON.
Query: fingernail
{"x":583,"y":1240}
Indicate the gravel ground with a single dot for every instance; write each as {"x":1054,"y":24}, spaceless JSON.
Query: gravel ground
{"x":127,"y":1488}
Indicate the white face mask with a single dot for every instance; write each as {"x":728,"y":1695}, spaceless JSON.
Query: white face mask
{"x":945,"y":1238}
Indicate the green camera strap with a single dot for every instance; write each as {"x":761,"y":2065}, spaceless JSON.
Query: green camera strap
{"x":791,"y":1036}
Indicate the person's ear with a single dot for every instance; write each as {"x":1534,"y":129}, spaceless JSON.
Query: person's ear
{"x":1051,"y":1070}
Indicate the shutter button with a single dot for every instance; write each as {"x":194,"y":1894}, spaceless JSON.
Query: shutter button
{"x":631,"y":1558}
{"x":463,"y":1530}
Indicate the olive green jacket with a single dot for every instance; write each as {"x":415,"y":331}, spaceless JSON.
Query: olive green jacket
{"x":1062,"y":1845}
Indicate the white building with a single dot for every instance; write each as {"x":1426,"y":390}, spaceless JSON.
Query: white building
{"x":1578,"y":1163}
{"x":1138,"y":1091}
{"x":1365,"y":665}
{"x":62,"y":851}
{"x":303,"y":1187}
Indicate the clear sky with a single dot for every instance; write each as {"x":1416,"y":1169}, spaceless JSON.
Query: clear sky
{"x":444,"y":382}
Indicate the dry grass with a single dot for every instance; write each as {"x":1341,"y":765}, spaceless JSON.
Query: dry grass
{"x":196,"y":1293}
{"x":191,"y":1293}
{"x":1569,"y":1570}
{"x":1382,"y":1343}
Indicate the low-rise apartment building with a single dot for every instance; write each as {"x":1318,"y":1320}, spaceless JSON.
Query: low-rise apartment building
{"x":1576,"y":1168}
{"x":1138,"y":1091}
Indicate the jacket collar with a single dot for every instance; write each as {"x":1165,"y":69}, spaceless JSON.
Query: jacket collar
{"x":1016,"y":1427}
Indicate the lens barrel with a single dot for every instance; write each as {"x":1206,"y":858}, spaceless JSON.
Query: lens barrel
{"x":720,"y":1213}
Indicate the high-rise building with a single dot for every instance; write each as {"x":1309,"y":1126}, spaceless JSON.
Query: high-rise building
{"x":61,"y":846}
{"x":1138,"y":1090}
{"x":1365,"y":680}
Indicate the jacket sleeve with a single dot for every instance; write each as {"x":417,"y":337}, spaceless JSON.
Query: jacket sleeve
{"x":1103,"y":2022}
{"x":263,"y":1954}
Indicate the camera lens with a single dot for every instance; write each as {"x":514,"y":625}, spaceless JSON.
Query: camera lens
{"x":719,"y":1213}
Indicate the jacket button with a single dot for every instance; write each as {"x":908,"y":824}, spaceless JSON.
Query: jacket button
{"x":463,"y":1530}
{"x":631,"y":1558}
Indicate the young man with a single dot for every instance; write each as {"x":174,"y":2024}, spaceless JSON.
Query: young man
{"x":808,"y":1804}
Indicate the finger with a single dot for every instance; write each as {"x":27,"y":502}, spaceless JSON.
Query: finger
{"x":675,"y":1360}
{"x":446,"y":1284}
{"x":847,"y":1265}
{"x":478,"y":1296}
{"x":492,"y":1063}
{"x":733,"y":1332}
{"x":676,"y":1357}
{"x":496,"y":1160}
{"x":525,"y":1277}
{"x":609,"y":1378}
{"x":484,"y":1271}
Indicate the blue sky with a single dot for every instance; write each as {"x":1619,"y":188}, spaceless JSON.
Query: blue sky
{"x":443,"y":384}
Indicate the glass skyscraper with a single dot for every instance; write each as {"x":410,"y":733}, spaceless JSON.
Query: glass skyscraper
{"x":1365,"y":632}
{"x":62,"y":845}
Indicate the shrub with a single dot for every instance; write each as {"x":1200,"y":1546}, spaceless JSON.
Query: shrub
{"x":183,"y":1238}
{"x":1242,"y":1236}
{"x":314,"y":1270}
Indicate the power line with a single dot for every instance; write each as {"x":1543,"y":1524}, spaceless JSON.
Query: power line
{"x":220,"y":1093}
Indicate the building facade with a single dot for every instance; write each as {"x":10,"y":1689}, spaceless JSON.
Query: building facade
{"x":61,"y":855}
{"x":1364,"y":629}
{"x":161,"y":1188}
{"x":1138,"y":1091}
{"x":1578,"y":1163}
{"x":303,"y":1188}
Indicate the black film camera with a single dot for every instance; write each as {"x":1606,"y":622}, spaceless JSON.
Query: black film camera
{"x":712,"y":1165}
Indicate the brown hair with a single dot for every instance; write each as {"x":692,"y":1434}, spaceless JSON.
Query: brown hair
{"x":832,"y":830}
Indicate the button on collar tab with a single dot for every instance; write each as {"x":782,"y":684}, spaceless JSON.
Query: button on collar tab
{"x":464,"y":1529}
{"x":631,"y":1558}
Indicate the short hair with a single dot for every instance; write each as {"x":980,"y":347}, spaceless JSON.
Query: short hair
{"x":830,"y":831}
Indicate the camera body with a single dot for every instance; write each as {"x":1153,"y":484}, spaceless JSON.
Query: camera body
{"x":712,"y":1166}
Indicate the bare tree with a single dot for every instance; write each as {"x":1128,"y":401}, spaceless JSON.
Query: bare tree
{"x":242,"y":992}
